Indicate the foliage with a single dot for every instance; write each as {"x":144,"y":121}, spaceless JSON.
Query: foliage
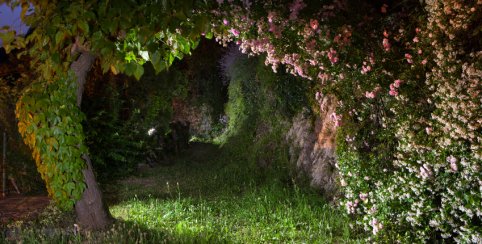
{"x":15,"y":76}
{"x":20,"y":164}
{"x":407,"y":79}
{"x":153,"y":95}
{"x":124,"y":34}
{"x":260,"y":107}
{"x":50,"y":123}
{"x":115,"y":146}
{"x":119,"y":118}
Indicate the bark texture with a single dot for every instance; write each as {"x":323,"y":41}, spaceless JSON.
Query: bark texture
{"x":91,"y":210}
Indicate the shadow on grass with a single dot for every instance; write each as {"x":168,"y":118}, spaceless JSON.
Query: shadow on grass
{"x":119,"y":232}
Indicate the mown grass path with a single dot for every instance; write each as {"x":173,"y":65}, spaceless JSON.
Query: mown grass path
{"x":206,"y":196}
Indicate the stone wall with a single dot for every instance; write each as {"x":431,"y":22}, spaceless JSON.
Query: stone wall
{"x":315,"y":146}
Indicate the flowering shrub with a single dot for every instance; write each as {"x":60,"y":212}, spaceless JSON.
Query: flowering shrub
{"x":407,"y":75}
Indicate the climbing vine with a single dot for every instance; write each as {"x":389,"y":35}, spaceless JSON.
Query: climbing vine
{"x":50,"y":122}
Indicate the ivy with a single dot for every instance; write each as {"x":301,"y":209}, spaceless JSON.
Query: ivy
{"x":50,"y":123}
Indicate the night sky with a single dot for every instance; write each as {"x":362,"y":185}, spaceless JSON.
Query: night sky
{"x":7,"y":17}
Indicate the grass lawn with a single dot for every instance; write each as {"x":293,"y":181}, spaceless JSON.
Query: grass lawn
{"x":207,"y":196}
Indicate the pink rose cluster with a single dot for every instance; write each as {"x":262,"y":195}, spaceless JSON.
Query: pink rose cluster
{"x":295,"y":8}
{"x":350,"y":206}
{"x":365,"y":69}
{"x":409,"y":58}
{"x":376,"y":226}
{"x":373,"y":93}
{"x":364,"y":196}
{"x":336,"y":118}
{"x":332,"y":56}
{"x":393,"y":87}
{"x":425,"y":172}
{"x":321,"y":100}
{"x":452,"y":160}
{"x":386,"y":44}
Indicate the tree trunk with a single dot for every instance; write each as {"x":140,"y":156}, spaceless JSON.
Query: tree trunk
{"x":91,"y":210}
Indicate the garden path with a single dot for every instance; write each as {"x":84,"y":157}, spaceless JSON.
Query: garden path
{"x":18,"y":206}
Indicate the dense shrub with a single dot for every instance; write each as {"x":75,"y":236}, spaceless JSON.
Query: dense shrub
{"x":120,"y":115}
{"x":260,"y":107}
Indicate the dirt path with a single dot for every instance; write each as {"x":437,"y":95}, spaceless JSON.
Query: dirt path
{"x":15,"y":207}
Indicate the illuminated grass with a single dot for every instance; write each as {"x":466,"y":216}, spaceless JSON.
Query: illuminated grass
{"x":207,"y":197}
{"x":216,"y":200}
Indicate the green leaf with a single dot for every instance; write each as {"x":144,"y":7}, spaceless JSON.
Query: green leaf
{"x":45,"y":40}
{"x":124,"y":23}
{"x":58,"y":194}
{"x":27,"y":100}
{"x":200,"y":23}
{"x":71,"y":141}
{"x":39,"y":117}
{"x":56,"y":20}
{"x":25,"y":6}
{"x":181,"y":16}
{"x":42,"y":105}
{"x":55,"y":57}
{"x":195,"y":44}
{"x":105,"y":25}
{"x":62,"y":152}
{"x":143,"y":34}
{"x":185,"y":47}
{"x":163,"y":21}
{"x":152,"y":48}
{"x":54,"y":143}
{"x":70,"y":186}
{"x":129,"y":68}
{"x":155,"y":58}
{"x":139,"y":71}
{"x":56,"y":103}
{"x":97,"y":45}
{"x":31,"y":127}
{"x":173,"y":25}
{"x":67,"y":120}
{"x":113,"y":26}
{"x":194,"y":34}
{"x":7,"y":37}
{"x":83,"y":148}
{"x":59,"y":37}
{"x":185,"y":30}
{"x":161,"y":65}
{"x":90,"y":15}
{"x":209,"y":35}
{"x":62,"y":111}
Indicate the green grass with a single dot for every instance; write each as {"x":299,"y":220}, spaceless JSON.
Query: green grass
{"x":207,"y":196}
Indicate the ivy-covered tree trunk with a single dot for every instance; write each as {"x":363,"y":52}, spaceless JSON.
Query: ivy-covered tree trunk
{"x":91,"y":210}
